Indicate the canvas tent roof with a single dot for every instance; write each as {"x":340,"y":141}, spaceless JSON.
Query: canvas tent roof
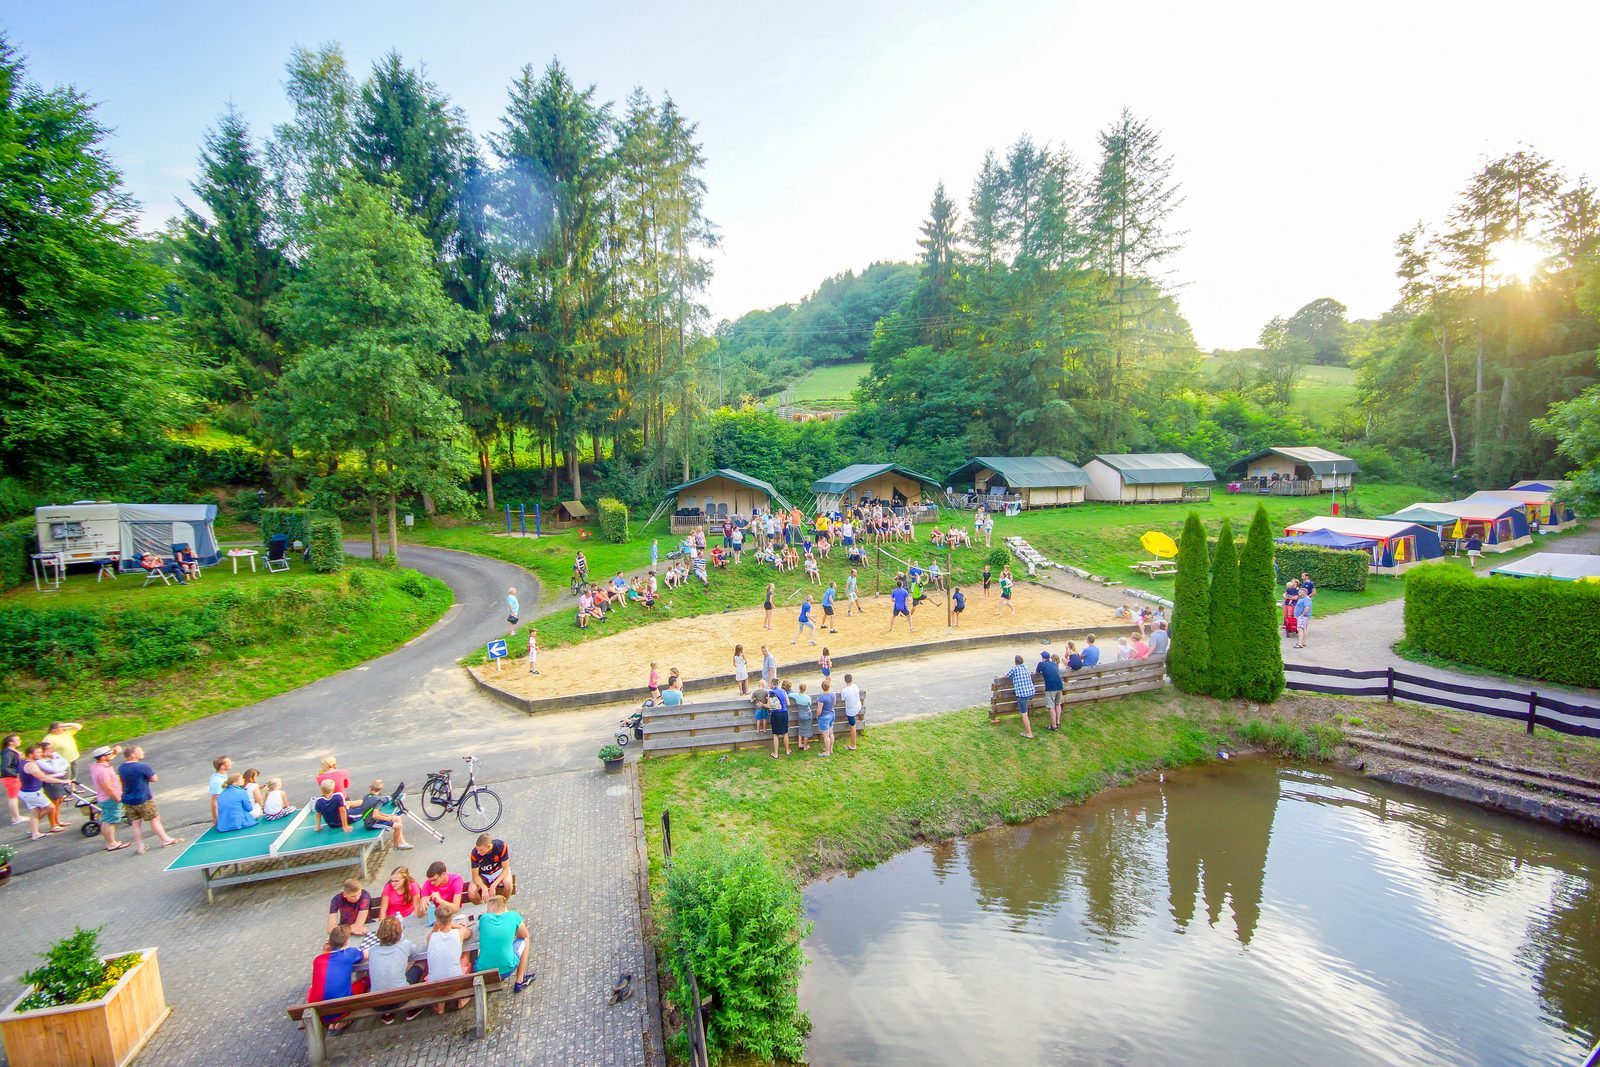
{"x":1320,"y":460}
{"x":1536,"y":486}
{"x":733,"y":476}
{"x":1565,"y":566}
{"x":1373,"y":528}
{"x":1025,"y":472}
{"x":1421,"y":513}
{"x":1157,"y":468}
{"x":1480,"y":508}
{"x":1514,"y":496}
{"x":840,"y":481}
{"x":1328,"y":539}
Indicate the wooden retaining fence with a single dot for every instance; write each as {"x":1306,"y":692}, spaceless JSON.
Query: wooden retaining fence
{"x":1525,"y":706}
{"x":724,"y":725}
{"x":1092,"y":683}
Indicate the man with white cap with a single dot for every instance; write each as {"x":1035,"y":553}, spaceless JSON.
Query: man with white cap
{"x":108,"y":794}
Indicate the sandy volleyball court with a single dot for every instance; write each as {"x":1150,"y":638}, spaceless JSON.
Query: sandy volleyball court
{"x":703,"y":647}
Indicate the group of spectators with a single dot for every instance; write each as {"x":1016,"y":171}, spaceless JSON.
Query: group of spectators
{"x":1053,"y":670}
{"x":418,"y":931}
{"x":779,"y":700}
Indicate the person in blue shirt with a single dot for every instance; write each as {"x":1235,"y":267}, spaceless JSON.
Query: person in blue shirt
{"x":672,"y":695}
{"x":827,"y":607}
{"x":959,"y":605}
{"x":825,"y":704}
{"x":1074,"y":657}
{"x":234,"y":809}
{"x":902,"y":606}
{"x":1054,"y":689}
{"x":805,"y":622}
{"x":1302,"y":616}
{"x":1091,"y":652}
{"x":779,"y":717}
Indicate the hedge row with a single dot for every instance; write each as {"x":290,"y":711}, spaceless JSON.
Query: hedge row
{"x":1528,"y":627}
{"x":325,"y":538}
{"x":18,"y":541}
{"x":613,"y":520}
{"x":296,"y":522}
{"x":1330,"y":568}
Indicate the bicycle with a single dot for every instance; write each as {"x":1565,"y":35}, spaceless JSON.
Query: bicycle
{"x":477,"y":807}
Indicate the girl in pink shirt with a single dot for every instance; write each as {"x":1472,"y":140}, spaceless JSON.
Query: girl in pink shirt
{"x":402,"y":895}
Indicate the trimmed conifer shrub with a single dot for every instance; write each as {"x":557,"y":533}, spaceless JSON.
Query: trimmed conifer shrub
{"x":1224,"y":676}
{"x":1260,"y":647}
{"x":1189,"y":656}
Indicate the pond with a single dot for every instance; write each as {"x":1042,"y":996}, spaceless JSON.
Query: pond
{"x":1242,"y":913}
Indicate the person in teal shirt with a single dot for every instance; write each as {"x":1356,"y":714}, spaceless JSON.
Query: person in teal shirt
{"x":503,"y":943}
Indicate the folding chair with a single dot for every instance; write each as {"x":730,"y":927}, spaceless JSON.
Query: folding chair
{"x":177,"y":554}
{"x":278,"y":552}
{"x":155,"y":574}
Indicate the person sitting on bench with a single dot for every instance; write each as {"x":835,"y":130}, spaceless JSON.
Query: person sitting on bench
{"x":333,"y":973}
{"x":491,"y":870}
{"x":373,"y":817}
{"x":503,"y":944}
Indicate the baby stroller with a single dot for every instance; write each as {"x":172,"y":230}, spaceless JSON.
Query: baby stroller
{"x":632,"y":725}
{"x":84,"y":800}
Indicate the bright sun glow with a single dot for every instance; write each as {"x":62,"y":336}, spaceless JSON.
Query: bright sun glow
{"x":1517,"y":260}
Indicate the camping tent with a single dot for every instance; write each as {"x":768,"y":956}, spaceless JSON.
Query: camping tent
{"x":888,"y":482}
{"x":1147,"y":478}
{"x":88,"y":531}
{"x":1395,"y":547}
{"x":1501,"y":524}
{"x":1041,"y":481}
{"x":1328,"y":471}
{"x":1562,"y":566}
{"x":1328,"y":539}
{"x":719,"y":494}
{"x":1543,"y":506}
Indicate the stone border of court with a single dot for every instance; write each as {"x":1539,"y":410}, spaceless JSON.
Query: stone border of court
{"x":572,"y":701}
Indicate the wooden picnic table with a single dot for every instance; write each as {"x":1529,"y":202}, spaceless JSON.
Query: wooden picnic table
{"x":1155,"y":568}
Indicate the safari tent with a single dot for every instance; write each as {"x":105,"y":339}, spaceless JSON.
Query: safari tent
{"x":1562,"y":566}
{"x":1499,"y":523}
{"x":1147,"y":479}
{"x":1393,"y":547}
{"x":1034,"y":481}
{"x":1542,"y":506}
{"x":716,"y":495}
{"x":865,"y":482}
{"x":1297,"y":470}
{"x":89,"y":531}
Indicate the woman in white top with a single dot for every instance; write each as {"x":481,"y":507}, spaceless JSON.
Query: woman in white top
{"x":257,"y":795}
{"x":741,"y":670}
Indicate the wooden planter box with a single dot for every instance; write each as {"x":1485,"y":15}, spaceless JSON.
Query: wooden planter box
{"x":103,"y":1033}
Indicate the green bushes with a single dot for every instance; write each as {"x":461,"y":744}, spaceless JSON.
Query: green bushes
{"x":613,"y":520}
{"x":295,"y":522}
{"x":1224,"y":616}
{"x":998,"y":557}
{"x":1330,"y":568}
{"x":1260,"y":647}
{"x":18,"y":539}
{"x":737,"y":920}
{"x":1528,"y":627}
{"x":325,"y":538}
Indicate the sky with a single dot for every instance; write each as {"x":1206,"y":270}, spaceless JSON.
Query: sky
{"x":1305,"y":137}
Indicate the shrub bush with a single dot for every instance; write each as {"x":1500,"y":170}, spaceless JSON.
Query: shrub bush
{"x":411,"y":584}
{"x":613,"y":520}
{"x":1330,"y":568}
{"x":325,"y":538}
{"x":18,"y":540}
{"x":16,"y":501}
{"x":73,"y":972}
{"x":997,"y":558}
{"x":296,"y":522}
{"x":1528,"y":627}
{"x":737,"y":919}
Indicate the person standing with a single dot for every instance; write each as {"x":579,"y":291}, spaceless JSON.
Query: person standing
{"x":769,"y":669}
{"x":958,"y":605}
{"x":1302,"y":617}
{"x":139,"y":802}
{"x":108,"y":794}
{"x":655,"y":553}
{"x":513,"y":607}
{"x":988,"y":537}
{"x":1005,"y":592}
{"x":533,"y":651}
{"x":850,"y":695}
{"x":1022,"y":687}
{"x":63,"y":736}
{"x":901,"y":599}
{"x":766,"y":607}
{"x":59,"y":780}
{"x":780,"y":718}
{"x":852,"y":596}
{"x":31,"y":791}
{"x":825,"y":702}
{"x":828,"y":595}
{"x":1054,"y":689}
{"x":741,"y":670}
{"x":1474,"y":550}
{"x":805,"y":622}
{"x":11,"y":775}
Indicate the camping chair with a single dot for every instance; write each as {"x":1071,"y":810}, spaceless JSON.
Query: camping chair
{"x":157,"y":573}
{"x":278,"y":552}
{"x":177,"y":554}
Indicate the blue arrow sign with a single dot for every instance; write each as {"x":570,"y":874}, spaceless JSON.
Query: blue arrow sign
{"x":497,"y":649}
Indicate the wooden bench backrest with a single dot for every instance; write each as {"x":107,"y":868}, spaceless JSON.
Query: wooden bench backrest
{"x":444,"y":989}
{"x":1090,"y":683}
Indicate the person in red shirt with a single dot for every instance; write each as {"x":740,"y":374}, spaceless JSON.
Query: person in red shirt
{"x":330,"y":772}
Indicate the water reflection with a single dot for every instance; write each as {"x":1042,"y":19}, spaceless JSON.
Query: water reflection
{"x":1344,"y":923}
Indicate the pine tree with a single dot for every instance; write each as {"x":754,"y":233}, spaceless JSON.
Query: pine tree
{"x":1189,"y":657}
{"x":1224,"y":675}
{"x":1260,"y":647}
{"x":935,"y":300}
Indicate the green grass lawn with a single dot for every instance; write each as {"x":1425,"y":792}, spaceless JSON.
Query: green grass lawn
{"x":934,"y":778}
{"x":832,"y":383}
{"x":1324,"y":392}
{"x":291,"y":629}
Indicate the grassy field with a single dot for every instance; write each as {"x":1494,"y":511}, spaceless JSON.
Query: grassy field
{"x":934,"y":778}
{"x":1324,"y":393}
{"x":829,"y":384}
{"x":280,"y":631}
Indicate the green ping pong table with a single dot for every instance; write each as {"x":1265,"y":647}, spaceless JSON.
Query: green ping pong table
{"x":268,"y":850}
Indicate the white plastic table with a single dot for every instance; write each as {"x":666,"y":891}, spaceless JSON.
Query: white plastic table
{"x":236,"y":554}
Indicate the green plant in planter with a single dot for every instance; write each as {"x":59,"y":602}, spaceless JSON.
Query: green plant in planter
{"x":7,"y":854}
{"x":611,"y":752}
{"x":73,"y":972}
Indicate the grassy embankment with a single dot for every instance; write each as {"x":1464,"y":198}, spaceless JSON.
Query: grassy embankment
{"x":1324,"y":393}
{"x":1102,"y":538}
{"x":830,"y":385}
{"x":127,"y":660}
{"x":942,"y":776}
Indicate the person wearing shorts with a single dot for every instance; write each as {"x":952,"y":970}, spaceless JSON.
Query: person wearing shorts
{"x":31,"y":791}
{"x":11,"y":775}
{"x":825,"y":705}
{"x":1022,"y":685}
{"x":138,"y":802}
{"x":850,"y":697}
{"x":828,"y":596}
{"x":107,"y":794}
{"x":780,"y":718}
{"x":805,"y":622}
{"x":1005,"y":592}
{"x":987,"y":578}
{"x":1054,"y":688}
{"x":902,"y":606}
{"x":958,"y":602}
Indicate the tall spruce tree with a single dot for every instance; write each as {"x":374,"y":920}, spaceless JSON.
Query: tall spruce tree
{"x":935,"y":300}
{"x":1260,"y":647}
{"x":1224,"y":674}
{"x":1189,"y":656}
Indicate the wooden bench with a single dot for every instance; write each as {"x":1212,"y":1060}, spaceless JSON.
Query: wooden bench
{"x":478,"y":986}
{"x":1091,"y":683}
{"x":725,"y":724}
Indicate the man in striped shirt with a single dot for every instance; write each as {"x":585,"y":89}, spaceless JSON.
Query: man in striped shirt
{"x":1022,"y":685}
